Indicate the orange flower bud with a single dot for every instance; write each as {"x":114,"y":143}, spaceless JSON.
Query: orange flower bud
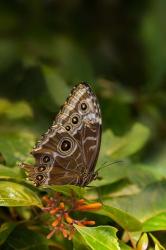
{"x":71,"y":234}
{"x":68,"y":219}
{"x":56,"y":222}
{"x":50,"y":234}
{"x":88,"y":222}
{"x":79,"y":223}
{"x":62,"y":206}
{"x":93,"y":206}
{"x":54,"y":210}
{"x":46,"y":199}
{"x":80,"y":202}
{"x":65,"y":233}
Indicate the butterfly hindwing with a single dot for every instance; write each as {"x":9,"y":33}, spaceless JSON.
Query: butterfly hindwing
{"x":68,"y":152}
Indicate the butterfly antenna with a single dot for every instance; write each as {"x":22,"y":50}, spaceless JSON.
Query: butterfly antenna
{"x":109,"y":164}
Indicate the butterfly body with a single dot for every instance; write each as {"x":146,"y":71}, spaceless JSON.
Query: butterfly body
{"x":68,"y":151}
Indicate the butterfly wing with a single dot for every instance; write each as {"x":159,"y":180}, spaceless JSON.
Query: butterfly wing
{"x":68,"y":152}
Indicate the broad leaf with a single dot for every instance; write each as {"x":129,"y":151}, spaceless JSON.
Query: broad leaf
{"x":118,"y":188}
{"x":14,"y":194}
{"x":4,"y":105}
{"x":143,"y":242}
{"x":14,"y":146}
{"x":75,"y":63}
{"x":99,"y":238}
{"x":10,"y":172}
{"x":15,"y":110}
{"x":144,"y":205}
{"x":67,"y":190}
{"x":156,"y":223}
{"x":5,"y":230}
{"x":123,"y":246}
{"x":111,"y":164}
{"x":120,"y":147}
{"x":19,"y":110}
{"x":139,"y":174}
{"x":158,"y":245}
{"x":124,"y":219}
{"x":23,"y":238}
{"x":57,"y":86}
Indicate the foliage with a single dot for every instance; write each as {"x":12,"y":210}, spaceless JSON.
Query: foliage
{"x":46,"y":47}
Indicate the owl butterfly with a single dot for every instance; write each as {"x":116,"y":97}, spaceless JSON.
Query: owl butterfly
{"x":68,"y":151}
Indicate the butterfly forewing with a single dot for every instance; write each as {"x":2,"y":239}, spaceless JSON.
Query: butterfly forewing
{"x":68,"y":152}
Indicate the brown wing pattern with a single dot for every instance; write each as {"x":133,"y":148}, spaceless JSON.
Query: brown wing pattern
{"x":67,"y":153}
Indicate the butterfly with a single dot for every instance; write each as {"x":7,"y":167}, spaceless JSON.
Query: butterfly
{"x":67,"y":153}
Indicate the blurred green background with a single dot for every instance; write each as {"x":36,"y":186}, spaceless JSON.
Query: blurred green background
{"x":119,"y":47}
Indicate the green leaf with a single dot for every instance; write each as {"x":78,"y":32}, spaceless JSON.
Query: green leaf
{"x":14,"y":194}
{"x":143,"y":242}
{"x":99,"y":238}
{"x":139,"y":174}
{"x":15,"y":110}
{"x":4,"y":105}
{"x":57,"y":86}
{"x":144,"y":174}
{"x":123,"y":246}
{"x":120,"y":147}
{"x":10,"y":172}
{"x":145,"y":205}
{"x":156,"y":223}
{"x":74,"y":61}
{"x":154,"y":39}
{"x":19,"y":110}
{"x":118,"y":188}
{"x":5,"y":230}
{"x":158,"y":245}
{"x":14,"y":146}
{"x":67,"y":189}
{"x":79,"y":243}
{"x":115,"y":148}
{"x":9,"y":49}
{"x":125,"y":220}
{"x":23,"y":238}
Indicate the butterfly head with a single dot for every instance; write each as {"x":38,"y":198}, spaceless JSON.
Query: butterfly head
{"x":86,"y":178}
